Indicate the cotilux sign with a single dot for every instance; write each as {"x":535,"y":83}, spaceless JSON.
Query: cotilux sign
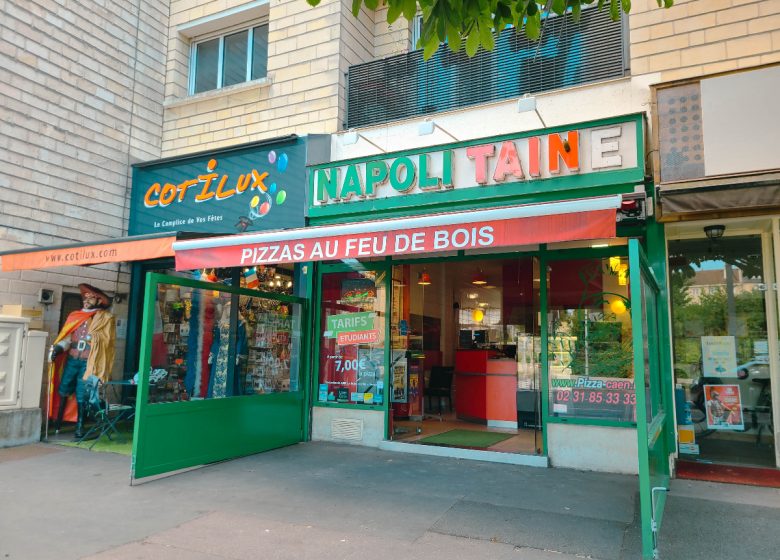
{"x":251,"y":188}
{"x":510,"y":165}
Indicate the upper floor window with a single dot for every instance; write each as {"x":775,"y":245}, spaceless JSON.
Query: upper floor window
{"x":229,"y":59}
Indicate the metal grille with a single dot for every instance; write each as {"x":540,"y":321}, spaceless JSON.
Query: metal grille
{"x":346,"y":429}
{"x":568,"y":54}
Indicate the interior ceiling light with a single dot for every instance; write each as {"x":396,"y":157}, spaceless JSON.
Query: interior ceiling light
{"x":478,"y":315}
{"x":473,"y":295}
{"x":424,"y":279}
{"x":479,"y":279}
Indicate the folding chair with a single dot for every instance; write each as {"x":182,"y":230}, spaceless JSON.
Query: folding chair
{"x":108,"y":410}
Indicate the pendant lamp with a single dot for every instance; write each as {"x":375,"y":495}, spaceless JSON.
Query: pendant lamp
{"x":479,"y":279}
{"x":424,"y":279}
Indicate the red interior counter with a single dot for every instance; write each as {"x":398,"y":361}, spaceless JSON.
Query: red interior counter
{"x":486,"y":388}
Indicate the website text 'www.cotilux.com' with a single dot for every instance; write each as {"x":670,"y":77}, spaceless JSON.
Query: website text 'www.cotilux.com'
{"x":75,"y":255}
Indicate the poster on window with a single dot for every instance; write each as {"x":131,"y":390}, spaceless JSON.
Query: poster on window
{"x":724,"y":407}
{"x":719,"y":356}
{"x":360,"y":292}
{"x":398,"y":368}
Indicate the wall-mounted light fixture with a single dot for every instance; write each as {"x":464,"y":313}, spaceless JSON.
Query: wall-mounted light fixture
{"x":714,"y":232}
{"x":427,"y":127}
{"x":526,"y":104}
{"x":352,"y":136}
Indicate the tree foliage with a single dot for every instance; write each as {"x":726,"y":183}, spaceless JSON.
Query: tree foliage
{"x":473,"y":24}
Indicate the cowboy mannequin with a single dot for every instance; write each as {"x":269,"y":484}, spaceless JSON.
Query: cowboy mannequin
{"x":84,"y":347}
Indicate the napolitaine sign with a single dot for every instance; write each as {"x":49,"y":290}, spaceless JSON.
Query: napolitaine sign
{"x":579,"y":156}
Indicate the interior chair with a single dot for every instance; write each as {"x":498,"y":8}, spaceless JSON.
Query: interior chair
{"x":440,"y":386}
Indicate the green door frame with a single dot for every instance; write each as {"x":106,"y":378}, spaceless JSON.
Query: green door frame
{"x":176,"y":435}
{"x":653,"y":407}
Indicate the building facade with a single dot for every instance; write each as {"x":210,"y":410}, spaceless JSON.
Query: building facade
{"x":192,"y":77}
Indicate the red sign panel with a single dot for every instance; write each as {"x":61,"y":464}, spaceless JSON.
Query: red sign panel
{"x":358,"y":337}
{"x":593,"y":224}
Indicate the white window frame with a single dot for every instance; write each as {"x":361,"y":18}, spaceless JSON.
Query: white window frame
{"x":221,"y":52}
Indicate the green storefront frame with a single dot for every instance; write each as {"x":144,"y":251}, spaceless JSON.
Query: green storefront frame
{"x":176,"y":435}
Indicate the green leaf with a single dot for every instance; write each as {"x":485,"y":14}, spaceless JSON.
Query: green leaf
{"x":533,"y":26}
{"x":356,"y":7}
{"x":614,"y":10}
{"x":576,"y":12}
{"x":626,"y":4}
{"x":371,"y":4}
{"x":453,"y":38}
{"x":559,"y":6}
{"x":486,"y":35}
{"x":532,"y":8}
{"x":430,"y":47}
{"x":472,"y":42}
{"x":317,"y":2}
{"x":394,"y":10}
{"x":410,"y":9}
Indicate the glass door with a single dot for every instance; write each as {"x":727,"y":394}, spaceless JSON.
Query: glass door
{"x":722,"y":362}
{"x":352,"y":326}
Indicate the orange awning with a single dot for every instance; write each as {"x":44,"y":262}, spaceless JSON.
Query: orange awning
{"x":138,"y":248}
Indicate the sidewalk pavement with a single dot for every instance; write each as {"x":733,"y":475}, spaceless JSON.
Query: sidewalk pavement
{"x":325,"y":501}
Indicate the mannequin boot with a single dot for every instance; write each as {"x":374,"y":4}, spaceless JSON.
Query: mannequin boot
{"x":80,"y":421}
{"x":60,"y":414}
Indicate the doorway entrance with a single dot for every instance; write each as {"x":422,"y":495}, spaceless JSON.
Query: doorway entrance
{"x":465,"y":354}
{"x":724,"y":336}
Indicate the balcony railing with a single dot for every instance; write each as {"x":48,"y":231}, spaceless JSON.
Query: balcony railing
{"x":568,"y":54}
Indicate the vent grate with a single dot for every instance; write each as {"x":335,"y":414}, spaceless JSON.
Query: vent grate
{"x":346,"y":429}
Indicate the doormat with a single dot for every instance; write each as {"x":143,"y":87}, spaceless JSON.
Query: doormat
{"x":752,"y":476}
{"x":465,"y":438}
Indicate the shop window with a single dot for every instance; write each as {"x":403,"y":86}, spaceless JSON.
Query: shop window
{"x":229,"y":59}
{"x":352,"y":338}
{"x":213,"y":344}
{"x":590,"y":352}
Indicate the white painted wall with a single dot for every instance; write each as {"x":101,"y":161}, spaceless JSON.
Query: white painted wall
{"x":593,"y":448}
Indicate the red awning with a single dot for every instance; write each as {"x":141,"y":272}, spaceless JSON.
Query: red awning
{"x":112,"y":250}
{"x":571,"y":220}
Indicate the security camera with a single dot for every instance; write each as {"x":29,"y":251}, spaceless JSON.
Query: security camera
{"x":45,"y":296}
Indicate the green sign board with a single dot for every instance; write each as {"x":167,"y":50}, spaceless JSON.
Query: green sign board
{"x":250,"y":188}
{"x":349,"y":322}
{"x":579,"y":157}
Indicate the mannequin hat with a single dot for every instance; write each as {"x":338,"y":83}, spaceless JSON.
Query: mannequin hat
{"x":103,"y":299}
